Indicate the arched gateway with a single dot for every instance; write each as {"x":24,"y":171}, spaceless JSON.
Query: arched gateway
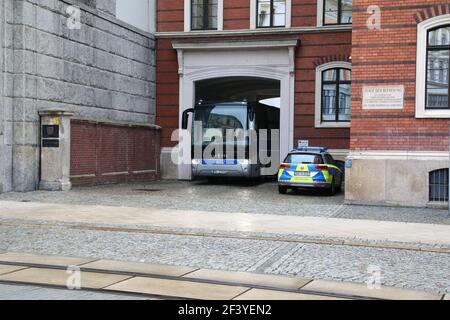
{"x":258,"y":59}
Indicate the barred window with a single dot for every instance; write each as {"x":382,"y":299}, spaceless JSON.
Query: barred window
{"x":439,"y":185}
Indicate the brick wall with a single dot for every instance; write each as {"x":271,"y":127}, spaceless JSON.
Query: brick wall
{"x":236,"y":14}
{"x":316,"y":49}
{"x":169,"y":15}
{"x":104,"y":153}
{"x":167,"y":90}
{"x":388,"y":57}
{"x":304,"y":13}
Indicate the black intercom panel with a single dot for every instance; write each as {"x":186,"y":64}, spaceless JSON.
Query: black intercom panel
{"x":50,"y":131}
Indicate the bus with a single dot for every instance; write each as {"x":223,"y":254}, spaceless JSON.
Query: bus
{"x":234,"y":139}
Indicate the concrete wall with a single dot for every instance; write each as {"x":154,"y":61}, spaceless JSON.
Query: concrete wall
{"x":391,"y":178}
{"x":103,"y":71}
{"x":139,"y":13}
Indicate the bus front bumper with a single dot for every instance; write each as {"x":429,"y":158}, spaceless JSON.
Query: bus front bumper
{"x":229,"y":170}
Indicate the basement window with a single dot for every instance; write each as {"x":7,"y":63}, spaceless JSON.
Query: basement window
{"x":439,"y":191}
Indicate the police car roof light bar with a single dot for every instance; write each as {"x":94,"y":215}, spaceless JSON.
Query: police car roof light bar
{"x":312,"y":149}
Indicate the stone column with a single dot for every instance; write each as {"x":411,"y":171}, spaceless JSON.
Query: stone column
{"x":55,"y":150}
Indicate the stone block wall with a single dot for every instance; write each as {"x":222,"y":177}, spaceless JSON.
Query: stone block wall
{"x":104,"y":70}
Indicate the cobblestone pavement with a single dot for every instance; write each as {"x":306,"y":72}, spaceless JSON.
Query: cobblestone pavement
{"x":20,"y":292}
{"x":237,"y":197}
{"x":400,"y":268}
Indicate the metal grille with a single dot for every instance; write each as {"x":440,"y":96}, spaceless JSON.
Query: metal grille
{"x":439,"y":185}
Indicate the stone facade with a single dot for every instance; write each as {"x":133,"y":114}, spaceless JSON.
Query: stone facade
{"x":103,"y":71}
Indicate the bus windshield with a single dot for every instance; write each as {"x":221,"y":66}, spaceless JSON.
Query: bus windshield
{"x":216,"y":120}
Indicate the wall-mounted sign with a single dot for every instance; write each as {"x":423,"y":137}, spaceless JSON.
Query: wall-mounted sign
{"x":50,"y":143}
{"x":349,"y":163}
{"x":303,"y":143}
{"x":383,"y":97}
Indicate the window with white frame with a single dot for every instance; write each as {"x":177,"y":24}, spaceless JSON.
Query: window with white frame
{"x":271,"y":13}
{"x":333,"y":95}
{"x":334,"y":12}
{"x":433,"y":60}
{"x":203,"y":15}
{"x":438,"y":54}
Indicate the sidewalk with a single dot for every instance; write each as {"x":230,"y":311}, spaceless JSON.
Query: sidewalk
{"x":171,"y":282}
{"x":354,"y":230}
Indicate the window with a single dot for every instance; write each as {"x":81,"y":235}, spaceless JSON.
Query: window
{"x":204,"y":14}
{"x":337,"y":12}
{"x":439,"y":185}
{"x":438,"y":55}
{"x":432,"y":71}
{"x":333,"y":95}
{"x":271,"y":13}
{"x":336,"y":85}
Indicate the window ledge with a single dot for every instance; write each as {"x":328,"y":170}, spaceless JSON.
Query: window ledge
{"x":332,"y":125}
{"x":432,"y":114}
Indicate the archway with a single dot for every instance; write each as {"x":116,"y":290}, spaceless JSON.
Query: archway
{"x":272,"y":60}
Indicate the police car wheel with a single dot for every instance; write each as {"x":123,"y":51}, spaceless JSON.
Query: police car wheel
{"x":333,"y":189}
{"x":282,"y":190}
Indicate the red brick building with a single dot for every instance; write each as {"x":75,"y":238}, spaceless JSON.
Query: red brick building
{"x":395,"y":134}
{"x":239,"y":38}
{"x":399,"y":149}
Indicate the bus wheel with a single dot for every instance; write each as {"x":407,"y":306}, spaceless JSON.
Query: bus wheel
{"x":282,"y":190}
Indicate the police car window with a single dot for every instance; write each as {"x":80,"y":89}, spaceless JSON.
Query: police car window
{"x":304,"y":158}
{"x":329,"y":159}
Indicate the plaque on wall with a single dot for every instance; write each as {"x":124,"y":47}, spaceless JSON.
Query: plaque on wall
{"x":383,"y":97}
{"x":50,"y":143}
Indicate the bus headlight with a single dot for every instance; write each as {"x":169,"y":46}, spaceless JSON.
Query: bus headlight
{"x":244,"y":162}
{"x":195,"y":162}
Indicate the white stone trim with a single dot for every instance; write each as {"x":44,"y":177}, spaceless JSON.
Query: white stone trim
{"x":220,"y":15}
{"x":399,"y":155}
{"x":237,"y":45}
{"x":187,"y":16}
{"x":421,"y":68}
{"x":318,"y":100}
{"x":339,"y":152}
{"x":320,"y":5}
{"x":254,"y":13}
